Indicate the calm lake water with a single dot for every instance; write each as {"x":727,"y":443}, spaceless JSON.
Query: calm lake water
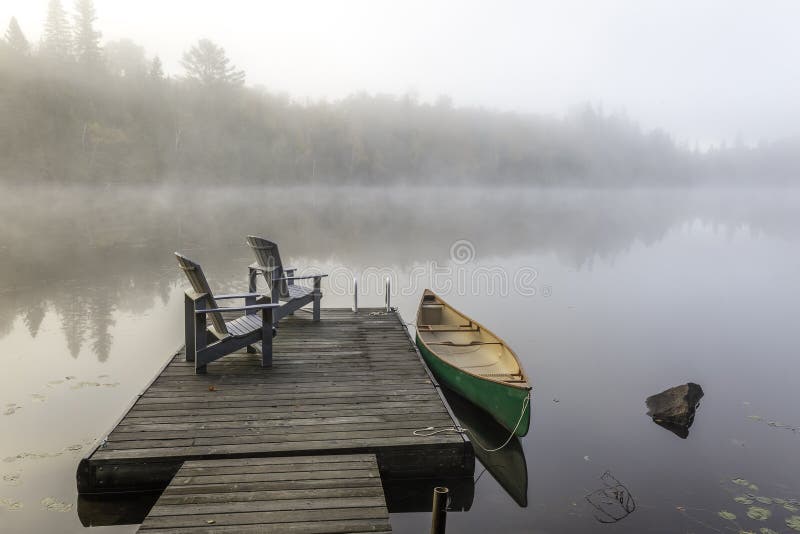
{"x":607,"y":296}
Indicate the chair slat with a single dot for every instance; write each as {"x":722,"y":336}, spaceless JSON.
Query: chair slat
{"x":269,"y":258}
{"x":194,"y":273}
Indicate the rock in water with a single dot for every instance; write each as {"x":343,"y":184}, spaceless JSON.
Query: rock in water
{"x":674,"y":409}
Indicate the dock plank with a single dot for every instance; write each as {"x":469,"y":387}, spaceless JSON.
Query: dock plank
{"x":351,"y":505}
{"x":350,"y":383}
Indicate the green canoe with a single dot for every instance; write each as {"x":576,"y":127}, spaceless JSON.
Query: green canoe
{"x":471,"y":360}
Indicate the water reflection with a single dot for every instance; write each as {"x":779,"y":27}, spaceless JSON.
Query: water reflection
{"x":113,"y":256}
{"x":507,"y":465}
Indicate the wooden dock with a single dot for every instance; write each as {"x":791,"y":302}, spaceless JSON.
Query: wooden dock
{"x":300,"y":494}
{"x":351,"y":383}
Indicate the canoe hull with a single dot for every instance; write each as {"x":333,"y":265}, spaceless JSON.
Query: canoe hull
{"x":503,"y":402}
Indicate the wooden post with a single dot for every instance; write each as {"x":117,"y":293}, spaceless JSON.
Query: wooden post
{"x":439,"y":518}
{"x":355,"y":294}
{"x":275,"y":294}
{"x":317,"y":297}
{"x":188,"y":311}
{"x":200,"y":334}
{"x":266,"y":337}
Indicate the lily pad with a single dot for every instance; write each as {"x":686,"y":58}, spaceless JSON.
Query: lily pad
{"x":12,"y":479}
{"x":724,"y":514}
{"x":753,"y":487}
{"x":766,"y":530}
{"x":791,"y":507}
{"x":54,"y":505}
{"x":740,"y":481}
{"x":764,"y":500}
{"x":11,"y":504}
{"x":743,"y":499}
{"x":793,"y":522}
{"x":758,"y":513}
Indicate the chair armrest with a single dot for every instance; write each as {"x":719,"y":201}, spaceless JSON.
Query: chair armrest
{"x":238,"y":296}
{"x":238,"y":308}
{"x":302,"y":277}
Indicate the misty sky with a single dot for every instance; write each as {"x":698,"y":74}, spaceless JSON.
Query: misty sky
{"x":706,"y":71}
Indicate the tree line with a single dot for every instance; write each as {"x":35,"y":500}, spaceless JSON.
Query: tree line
{"x":79,"y":110}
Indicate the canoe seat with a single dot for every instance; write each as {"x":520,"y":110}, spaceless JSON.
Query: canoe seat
{"x":515,"y":376}
{"x":448,"y":328}
{"x":470,"y":344}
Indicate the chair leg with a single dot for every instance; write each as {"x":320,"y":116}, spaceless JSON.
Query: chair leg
{"x":275,"y":298}
{"x":266,"y":337}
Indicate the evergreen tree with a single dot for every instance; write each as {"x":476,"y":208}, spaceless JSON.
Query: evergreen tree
{"x":156,"y":70}
{"x":207,"y":63}
{"x":126,"y":58}
{"x":87,"y":39}
{"x":56,"y":41}
{"x":15,"y":38}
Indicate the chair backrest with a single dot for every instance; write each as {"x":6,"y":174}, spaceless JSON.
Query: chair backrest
{"x":194,"y":273}
{"x":267,"y":256}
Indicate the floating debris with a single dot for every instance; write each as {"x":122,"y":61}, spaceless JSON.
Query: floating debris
{"x":774,"y":424}
{"x":12,"y":479}
{"x":38,"y":397}
{"x":613,"y":502}
{"x":11,"y":408}
{"x":43,"y":455}
{"x":11,"y":504}
{"x":586,"y":459}
{"x":87,"y":384}
{"x":758,"y":513}
{"x":54,"y":505}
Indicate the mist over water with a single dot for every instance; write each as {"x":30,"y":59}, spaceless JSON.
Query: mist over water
{"x":634,"y":290}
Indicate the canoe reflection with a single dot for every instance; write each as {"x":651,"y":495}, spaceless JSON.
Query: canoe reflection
{"x":507,"y":465}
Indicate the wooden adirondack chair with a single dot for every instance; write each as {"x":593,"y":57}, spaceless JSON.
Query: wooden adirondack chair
{"x":280,"y":280}
{"x":204,"y":344}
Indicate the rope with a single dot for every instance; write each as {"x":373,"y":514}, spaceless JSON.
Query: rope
{"x":432,"y":430}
